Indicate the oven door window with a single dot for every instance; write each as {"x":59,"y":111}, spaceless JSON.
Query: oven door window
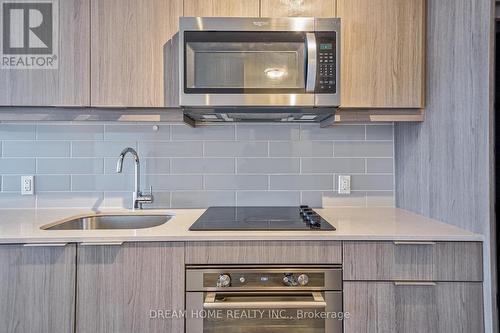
{"x":244,"y":62}
{"x":251,"y":312}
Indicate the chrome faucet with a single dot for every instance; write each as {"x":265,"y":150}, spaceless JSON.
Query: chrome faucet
{"x":138,"y":197}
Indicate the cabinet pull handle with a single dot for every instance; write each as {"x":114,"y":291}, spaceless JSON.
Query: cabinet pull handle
{"x":100,"y":243}
{"x":414,"y":283}
{"x":413,"y":243}
{"x":45,"y":244}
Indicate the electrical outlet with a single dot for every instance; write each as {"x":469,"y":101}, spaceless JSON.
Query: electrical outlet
{"x":344,"y":184}
{"x":27,"y":185}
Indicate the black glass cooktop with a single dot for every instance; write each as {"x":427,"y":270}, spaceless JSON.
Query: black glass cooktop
{"x":260,"y":218}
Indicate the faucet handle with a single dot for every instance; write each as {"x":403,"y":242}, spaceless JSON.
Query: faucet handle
{"x":151,"y":190}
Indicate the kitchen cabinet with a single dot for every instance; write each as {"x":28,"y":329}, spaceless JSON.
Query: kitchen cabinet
{"x":264,"y":252}
{"x":382,"y":55}
{"x":387,"y":307}
{"x":68,"y":83}
{"x":413,"y":286}
{"x":122,"y":288}
{"x":284,"y":8}
{"x":37,"y":285}
{"x":127,"y":42}
{"x":248,"y":8}
{"x":429,"y":261}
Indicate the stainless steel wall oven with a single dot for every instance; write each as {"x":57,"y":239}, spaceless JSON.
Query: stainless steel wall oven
{"x":264,"y":299}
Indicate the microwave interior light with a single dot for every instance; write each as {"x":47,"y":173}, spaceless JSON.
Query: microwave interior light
{"x":275,"y":73}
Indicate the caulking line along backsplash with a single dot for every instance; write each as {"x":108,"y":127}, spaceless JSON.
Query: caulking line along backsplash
{"x":236,"y":164}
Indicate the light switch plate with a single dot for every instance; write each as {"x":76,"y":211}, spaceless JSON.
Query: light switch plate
{"x":344,"y":184}
{"x":27,"y":185}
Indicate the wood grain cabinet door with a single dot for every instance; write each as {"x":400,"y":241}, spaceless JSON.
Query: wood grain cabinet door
{"x":284,"y":8}
{"x":128,"y":39}
{"x":126,"y":288}
{"x":249,"y":8}
{"x":382,"y":55}
{"x":37,"y":288}
{"x":68,"y":83}
{"x":388,"y":307}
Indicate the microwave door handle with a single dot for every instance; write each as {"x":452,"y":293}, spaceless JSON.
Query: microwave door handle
{"x":312,"y":64}
{"x":318,"y":302}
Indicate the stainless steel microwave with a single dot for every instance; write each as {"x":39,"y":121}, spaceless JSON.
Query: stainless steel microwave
{"x":255,"y":62}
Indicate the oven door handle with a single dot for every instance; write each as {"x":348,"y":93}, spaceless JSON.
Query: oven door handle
{"x":317,"y":303}
{"x":312,"y":64}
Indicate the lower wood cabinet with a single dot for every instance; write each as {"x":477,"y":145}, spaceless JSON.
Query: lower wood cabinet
{"x":264,"y":252}
{"x":119,"y":287}
{"x":387,"y":307}
{"x":37,"y":288}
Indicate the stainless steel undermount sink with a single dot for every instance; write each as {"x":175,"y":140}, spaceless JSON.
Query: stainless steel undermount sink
{"x":109,"y":221}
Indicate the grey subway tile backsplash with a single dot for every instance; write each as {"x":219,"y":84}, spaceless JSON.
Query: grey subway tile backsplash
{"x":338,"y":132}
{"x":17,"y":166}
{"x":89,"y":200}
{"x":208,"y":132}
{"x":17,"y":131}
{"x":379,"y":132}
{"x":14,"y":200}
{"x":99,"y":148}
{"x":301,"y":149}
{"x":364,"y":149}
{"x":372,"y":182}
{"x":236,"y":182}
{"x":267,"y":132}
{"x":333,"y":165}
{"x":268,"y":165}
{"x":125,"y":132}
{"x":379,"y":165}
{"x":155,"y":165}
{"x":69,"y":132}
{"x":202,"y":165}
{"x":43,"y":183}
{"x":302,"y":182}
{"x":174,"y":182}
{"x":236,"y":149}
{"x":69,"y":166}
{"x":246,"y":164}
{"x":170,"y":149}
{"x":268,"y":198}
{"x":200,"y":199}
{"x":36,"y":149}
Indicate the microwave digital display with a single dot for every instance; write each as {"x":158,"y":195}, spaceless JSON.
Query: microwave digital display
{"x":328,"y":46}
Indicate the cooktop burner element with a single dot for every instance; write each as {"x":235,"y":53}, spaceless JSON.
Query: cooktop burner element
{"x":261,"y":218}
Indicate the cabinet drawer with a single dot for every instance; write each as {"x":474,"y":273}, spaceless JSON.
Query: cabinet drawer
{"x":390,"y":307}
{"x":264,"y":252}
{"x":431,"y":261}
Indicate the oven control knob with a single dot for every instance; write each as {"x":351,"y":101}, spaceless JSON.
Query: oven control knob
{"x":303,"y":279}
{"x":289,"y":280}
{"x":224,"y":280}
{"x":242,"y":279}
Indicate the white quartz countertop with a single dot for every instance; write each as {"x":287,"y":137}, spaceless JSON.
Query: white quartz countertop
{"x":23,"y":226}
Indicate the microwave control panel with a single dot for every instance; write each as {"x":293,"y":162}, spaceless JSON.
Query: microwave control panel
{"x":326,"y":62}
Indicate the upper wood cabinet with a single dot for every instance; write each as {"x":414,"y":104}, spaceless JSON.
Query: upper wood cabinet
{"x":37,"y":288}
{"x":283,"y":8}
{"x":66,"y":85}
{"x":127,"y":39}
{"x":383,"y":44}
{"x":248,"y":8}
